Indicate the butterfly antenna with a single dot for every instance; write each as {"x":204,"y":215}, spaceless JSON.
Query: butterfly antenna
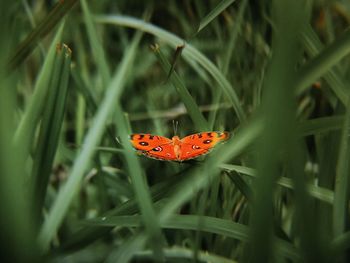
{"x":175,"y":125}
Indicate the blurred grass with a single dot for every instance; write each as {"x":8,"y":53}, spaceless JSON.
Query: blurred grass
{"x":72,"y":189}
{"x":44,"y":27}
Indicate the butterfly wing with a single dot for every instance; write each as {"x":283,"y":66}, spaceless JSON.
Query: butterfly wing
{"x":198,"y":144}
{"x":153,"y":146}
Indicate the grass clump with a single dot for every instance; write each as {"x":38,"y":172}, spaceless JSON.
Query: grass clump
{"x":77,"y":84}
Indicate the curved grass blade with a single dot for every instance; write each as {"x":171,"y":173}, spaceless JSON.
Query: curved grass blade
{"x":190,"y":222}
{"x":190,"y":53}
{"x":322,"y":63}
{"x":86,"y":235}
{"x":314,"y":47}
{"x":320,"y":193}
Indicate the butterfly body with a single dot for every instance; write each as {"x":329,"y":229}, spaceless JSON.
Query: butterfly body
{"x":176,"y":149}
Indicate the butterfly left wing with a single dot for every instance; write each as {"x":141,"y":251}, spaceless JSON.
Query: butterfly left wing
{"x":153,"y":146}
{"x":198,"y":144}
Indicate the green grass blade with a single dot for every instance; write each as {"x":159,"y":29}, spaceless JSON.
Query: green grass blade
{"x":341,"y":189}
{"x":333,"y":77}
{"x":320,"y":125}
{"x":26,"y":128}
{"x":190,"y":222}
{"x":43,"y":28}
{"x":90,"y":96}
{"x":92,"y":138}
{"x":279,"y":111}
{"x":96,"y":47}
{"x":322,"y":63}
{"x":50,"y":127}
{"x":320,"y":193}
{"x":236,"y":29}
{"x":17,"y":225}
{"x":141,"y":189}
{"x":197,"y":117}
{"x":189,"y":53}
{"x":213,"y":14}
{"x":87,"y":235}
{"x":127,"y":250}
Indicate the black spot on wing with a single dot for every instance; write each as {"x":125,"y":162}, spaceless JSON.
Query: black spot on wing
{"x":207,"y":141}
{"x":157,"y":149}
{"x":151,"y":137}
{"x":210,"y":134}
{"x":200,"y":135}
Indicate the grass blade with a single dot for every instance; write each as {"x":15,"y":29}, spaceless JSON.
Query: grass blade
{"x":198,"y":119}
{"x":140,"y":187}
{"x":28,"y":123}
{"x":51,"y":126}
{"x":341,"y":189}
{"x":190,"y":53}
{"x":333,"y":77}
{"x":321,"y":125}
{"x":141,"y":190}
{"x":92,"y":138}
{"x":190,"y":222}
{"x":322,"y":63}
{"x":278,"y":107}
{"x":96,"y":47}
{"x":213,"y":14}
{"x":320,"y":193}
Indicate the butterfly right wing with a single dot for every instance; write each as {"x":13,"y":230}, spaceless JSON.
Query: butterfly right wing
{"x":201,"y":143}
{"x":153,"y":146}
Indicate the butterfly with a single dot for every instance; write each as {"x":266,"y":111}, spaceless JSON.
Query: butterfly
{"x":176,"y":149}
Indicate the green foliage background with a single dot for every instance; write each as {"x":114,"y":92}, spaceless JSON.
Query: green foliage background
{"x":76,"y":75}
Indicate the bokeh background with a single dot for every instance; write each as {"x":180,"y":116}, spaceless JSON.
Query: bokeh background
{"x":78,"y":77}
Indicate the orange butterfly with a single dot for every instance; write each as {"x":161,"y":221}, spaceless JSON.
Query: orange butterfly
{"x":176,"y":149}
